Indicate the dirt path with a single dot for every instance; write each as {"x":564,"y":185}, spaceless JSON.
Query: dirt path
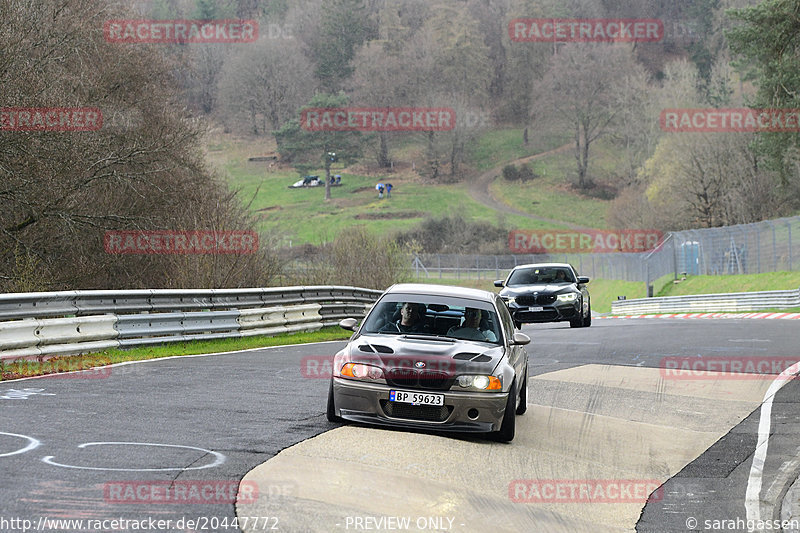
{"x":479,"y":188}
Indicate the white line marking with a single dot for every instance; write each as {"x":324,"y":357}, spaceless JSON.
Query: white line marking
{"x":218,"y":461}
{"x":752,"y":502}
{"x":32,"y":443}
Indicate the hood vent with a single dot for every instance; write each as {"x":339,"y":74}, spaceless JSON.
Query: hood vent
{"x":377,"y":348}
{"x":465,"y":356}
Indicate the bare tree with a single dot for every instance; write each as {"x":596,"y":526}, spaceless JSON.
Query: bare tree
{"x":265,"y":85}
{"x":579,"y":92}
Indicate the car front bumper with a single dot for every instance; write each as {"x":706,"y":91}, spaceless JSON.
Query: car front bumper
{"x":369,"y":403}
{"x":555,"y":312}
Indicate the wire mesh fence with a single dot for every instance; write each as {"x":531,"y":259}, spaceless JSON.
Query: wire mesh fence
{"x":769,"y":246}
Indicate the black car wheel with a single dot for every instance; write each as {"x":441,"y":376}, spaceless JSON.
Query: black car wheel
{"x":331,"y":412}
{"x":518,"y":324}
{"x":583,"y":321}
{"x":523,"y":396}
{"x":508,"y":426}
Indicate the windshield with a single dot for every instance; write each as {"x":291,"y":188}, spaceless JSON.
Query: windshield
{"x":442,"y":317}
{"x":530,"y":276}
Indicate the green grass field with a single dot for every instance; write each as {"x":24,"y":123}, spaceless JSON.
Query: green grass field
{"x":302,"y":216}
{"x":771,"y":281}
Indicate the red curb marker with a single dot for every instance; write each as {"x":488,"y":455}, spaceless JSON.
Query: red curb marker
{"x":767,"y":316}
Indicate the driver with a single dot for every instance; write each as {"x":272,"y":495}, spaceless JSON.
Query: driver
{"x":471,"y":328}
{"x":411,"y":320}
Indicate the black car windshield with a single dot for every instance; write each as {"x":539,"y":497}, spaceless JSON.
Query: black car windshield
{"x":448,"y":317}
{"x":530,"y":276}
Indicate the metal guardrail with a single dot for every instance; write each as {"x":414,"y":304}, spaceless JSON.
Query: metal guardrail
{"x":49,"y":324}
{"x":740,"y":301}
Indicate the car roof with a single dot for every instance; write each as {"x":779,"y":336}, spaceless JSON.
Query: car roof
{"x":538,"y":265}
{"x":441,"y":290}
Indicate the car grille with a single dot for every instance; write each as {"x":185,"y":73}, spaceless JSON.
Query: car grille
{"x":537,"y":299}
{"x":430,"y":413}
{"x":542,"y":316}
{"x":407,"y":377}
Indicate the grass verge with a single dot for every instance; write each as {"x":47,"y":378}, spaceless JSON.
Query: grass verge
{"x":22,"y":368}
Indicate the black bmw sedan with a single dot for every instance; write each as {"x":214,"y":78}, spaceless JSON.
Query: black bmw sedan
{"x":547,"y":292}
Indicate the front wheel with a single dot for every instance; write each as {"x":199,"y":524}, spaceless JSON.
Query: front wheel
{"x":508,"y":425}
{"x":523,"y":396}
{"x":331,"y":412}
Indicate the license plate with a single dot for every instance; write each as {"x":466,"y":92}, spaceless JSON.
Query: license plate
{"x":416,"y":398}
{"x":535,"y":309}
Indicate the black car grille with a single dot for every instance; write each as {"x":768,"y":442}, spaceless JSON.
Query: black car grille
{"x":430,"y":413}
{"x":541,"y":316}
{"x":408,"y":377}
{"x":535,"y":299}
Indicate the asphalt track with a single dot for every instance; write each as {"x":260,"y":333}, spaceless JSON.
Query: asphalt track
{"x":601,"y":414}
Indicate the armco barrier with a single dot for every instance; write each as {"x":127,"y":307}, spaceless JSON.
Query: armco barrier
{"x":740,"y":301}
{"x":46,"y":324}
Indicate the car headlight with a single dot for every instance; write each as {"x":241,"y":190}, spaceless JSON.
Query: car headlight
{"x":510,"y":300}
{"x":480,"y":382}
{"x":363,"y":372}
{"x":568,"y":297}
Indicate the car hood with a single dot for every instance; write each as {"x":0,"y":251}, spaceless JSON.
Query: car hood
{"x":409,"y":351}
{"x":543,"y":288}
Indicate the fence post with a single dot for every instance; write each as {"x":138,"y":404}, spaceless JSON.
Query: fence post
{"x":789,"y":227}
{"x":496,"y":268}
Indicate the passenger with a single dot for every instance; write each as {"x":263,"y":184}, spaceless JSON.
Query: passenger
{"x":471,"y":328}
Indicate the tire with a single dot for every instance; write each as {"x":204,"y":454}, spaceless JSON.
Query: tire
{"x":588,"y":320}
{"x":523,"y":396}
{"x":508,"y":425}
{"x":576,"y":323}
{"x":331,"y":412}
{"x":518,"y":325}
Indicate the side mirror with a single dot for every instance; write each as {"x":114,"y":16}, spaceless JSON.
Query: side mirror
{"x":349,"y":324}
{"x":520,"y":339}
{"x":583,"y":279}
{"x":498,"y":283}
